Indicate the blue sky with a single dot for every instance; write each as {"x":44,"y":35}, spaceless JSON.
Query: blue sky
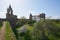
{"x":25,"y":7}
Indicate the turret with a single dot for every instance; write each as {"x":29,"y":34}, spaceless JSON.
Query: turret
{"x":30,"y":16}
{"x":9,"y":12}
{"x":42,"y":15}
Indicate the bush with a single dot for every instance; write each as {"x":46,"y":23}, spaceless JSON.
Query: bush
{"x":46,"y":30}
{"x":31,"y":22}
{"x":21,"y":22}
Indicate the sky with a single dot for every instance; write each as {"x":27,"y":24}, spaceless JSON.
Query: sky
{"x":24,"y":7}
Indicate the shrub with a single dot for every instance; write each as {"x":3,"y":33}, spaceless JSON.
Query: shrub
{"x":31,"y":22}
{"x":46,"y":30}
{"x":21,"y":22}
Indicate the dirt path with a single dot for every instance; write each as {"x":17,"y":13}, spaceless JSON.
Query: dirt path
{"x":2,"y":32}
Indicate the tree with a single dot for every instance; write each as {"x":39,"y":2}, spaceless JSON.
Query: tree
{"x":46,"y":30}
{"x":31,"y":22}
{"x":21,"y":22}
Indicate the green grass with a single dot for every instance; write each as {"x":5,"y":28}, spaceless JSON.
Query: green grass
{"x":28,"y":27}
{"x":9,"y":35}
{"x":0,"y":27}
{"x":27,"y":33}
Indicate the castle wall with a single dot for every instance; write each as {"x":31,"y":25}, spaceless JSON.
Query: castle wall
{"x":2,"y":20}
{"x":37,"y":17}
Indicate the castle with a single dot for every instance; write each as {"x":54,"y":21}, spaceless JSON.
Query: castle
{"x":10,"y":17}
{"x":13,"y":18}
{"x":37,"y":17}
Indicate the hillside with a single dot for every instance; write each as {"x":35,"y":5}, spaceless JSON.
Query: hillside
{"x":40,"y":30}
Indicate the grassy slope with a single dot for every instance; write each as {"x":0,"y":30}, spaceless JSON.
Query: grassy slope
{"x":9,"y":35}
{"x":0,"y":27}
{"x":30,"y":28}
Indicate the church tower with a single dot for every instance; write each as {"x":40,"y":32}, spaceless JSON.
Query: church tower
{"x":9,"y":12}
{"x":10,"y":17}
{"x":30,"y":17}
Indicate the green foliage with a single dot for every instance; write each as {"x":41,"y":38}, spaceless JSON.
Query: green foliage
{"x":0,"y":25}
{"x":46,"y":30}
{"x":25,"y":35}
{"x":21,"y":22}
{"x":31,"y":22}
{"x":41,"y":30}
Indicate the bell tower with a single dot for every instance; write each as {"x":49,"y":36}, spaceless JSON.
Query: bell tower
{"x":11,"y":17}
{"x":9,"y":12}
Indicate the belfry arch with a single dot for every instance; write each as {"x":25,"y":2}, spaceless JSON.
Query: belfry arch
{"x":9,"y":10}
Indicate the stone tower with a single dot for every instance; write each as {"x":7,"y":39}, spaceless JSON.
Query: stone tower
{"x":37,"y":17}
{"x":9,"y":12}
{"x":42,"y":15}
{"x":30,"y":16}
{"x":10,"y":17}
